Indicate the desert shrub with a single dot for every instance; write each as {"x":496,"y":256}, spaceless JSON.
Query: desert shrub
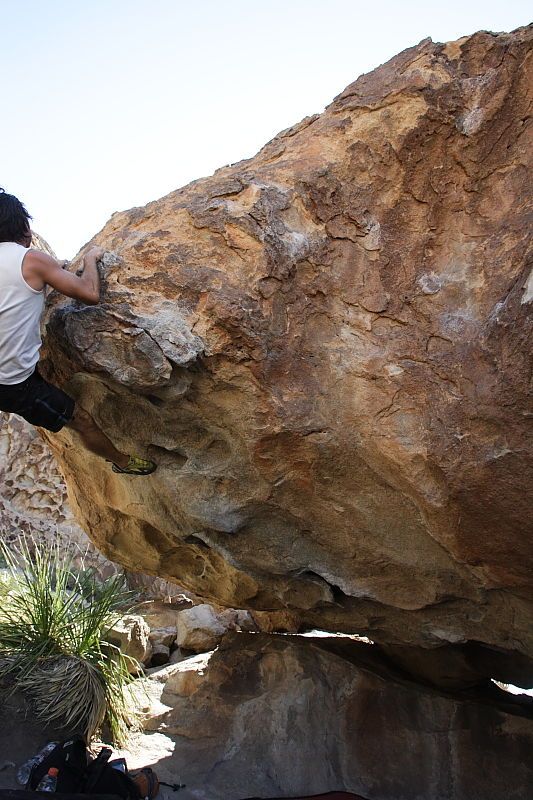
{"x":53,"y":625}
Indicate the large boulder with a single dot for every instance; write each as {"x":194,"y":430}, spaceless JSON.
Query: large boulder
{"x":281,"y":717}
{"x":324,"y":349}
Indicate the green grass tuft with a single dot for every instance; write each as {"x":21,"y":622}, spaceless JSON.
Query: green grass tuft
{"x":53,"y":625}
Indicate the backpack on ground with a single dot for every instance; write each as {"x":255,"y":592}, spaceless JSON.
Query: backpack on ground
{"x":79,"y":773}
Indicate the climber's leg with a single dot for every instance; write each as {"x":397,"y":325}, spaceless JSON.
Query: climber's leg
{"x":97,"y":442}
{"x":47,"y":406}
{"x":38,"y":402}
{"x":93,"y":438}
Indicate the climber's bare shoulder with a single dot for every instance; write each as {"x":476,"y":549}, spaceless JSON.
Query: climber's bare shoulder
{"x":40,"y":270}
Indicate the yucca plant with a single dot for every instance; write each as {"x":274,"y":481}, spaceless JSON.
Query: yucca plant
{"x":53,"y":625}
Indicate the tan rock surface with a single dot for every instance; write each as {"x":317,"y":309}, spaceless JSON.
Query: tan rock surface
{"x":324,"y":347}
{"x":165,"y":636}
{"x":34,"y":497}
{"x":159,"y":614}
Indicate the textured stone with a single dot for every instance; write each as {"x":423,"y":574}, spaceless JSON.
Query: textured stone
{"x":276,"y":621}
{"x":235,"y":619}
{"x":164,"y":636}
{"x":131,"y":634}
{"x":34,"y":505}
{"x":199,"y":629}
{"x":34,"y":499}
{"x":159,"y":614}
{"x":325,"y":349}
{"x":279,"y":716}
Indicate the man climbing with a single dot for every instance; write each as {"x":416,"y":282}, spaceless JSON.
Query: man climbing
{"x":24,"y":275}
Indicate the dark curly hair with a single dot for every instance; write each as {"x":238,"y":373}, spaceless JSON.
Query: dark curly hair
{"x":14,"y":219}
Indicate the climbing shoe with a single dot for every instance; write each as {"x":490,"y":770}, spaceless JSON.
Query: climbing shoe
{"x":136,"y":466}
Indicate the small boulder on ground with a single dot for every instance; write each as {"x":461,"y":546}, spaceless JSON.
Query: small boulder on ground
{"x":236,"y":619}
{"x":159,"y":614}
{"x":200,"y":629}
{"x":131,"y":634}
{"x":163,"y":636}
{"x":282,"y":621}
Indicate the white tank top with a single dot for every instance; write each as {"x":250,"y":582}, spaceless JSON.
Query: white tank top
{"x":20,"y":315}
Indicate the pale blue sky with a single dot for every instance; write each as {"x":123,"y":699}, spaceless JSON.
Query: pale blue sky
{"x":107,"y":104}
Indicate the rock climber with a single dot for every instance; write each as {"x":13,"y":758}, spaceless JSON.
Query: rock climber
{"x":24,"y":275}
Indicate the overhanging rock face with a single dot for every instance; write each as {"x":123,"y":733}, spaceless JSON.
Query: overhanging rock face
{"x":325,"y":349}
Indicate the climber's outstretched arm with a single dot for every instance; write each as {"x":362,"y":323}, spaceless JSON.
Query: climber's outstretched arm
{"x":40,"y":270}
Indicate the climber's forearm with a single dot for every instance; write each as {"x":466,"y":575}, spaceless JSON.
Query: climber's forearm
{"x":90,"y":275}
{"x":85,"y":286}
